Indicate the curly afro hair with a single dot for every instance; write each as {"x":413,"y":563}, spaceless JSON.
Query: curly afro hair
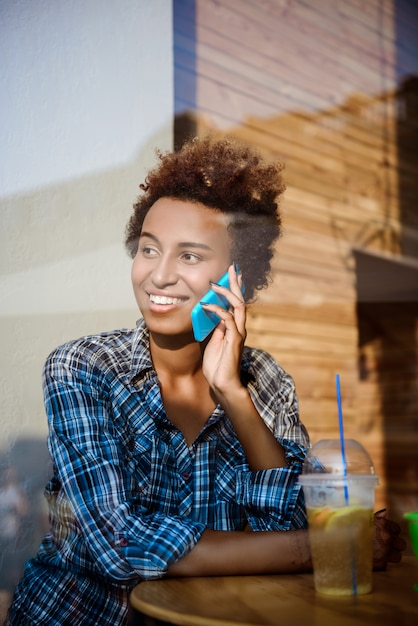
{"x":227,"y":176}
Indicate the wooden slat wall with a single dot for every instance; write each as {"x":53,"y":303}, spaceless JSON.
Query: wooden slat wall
{"x":314,"y":84}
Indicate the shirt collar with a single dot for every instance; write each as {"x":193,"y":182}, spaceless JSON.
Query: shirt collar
{"x":141,"y":361}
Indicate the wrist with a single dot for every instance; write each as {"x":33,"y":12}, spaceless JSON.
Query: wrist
{"x":235,"y":398}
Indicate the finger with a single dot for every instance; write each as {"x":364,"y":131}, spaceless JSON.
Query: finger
{"x":393,"y":527}
{"x":394,"y":556}
{"x":237,"y":306}
{"x":226,"y":315}
{"x":235,"y":281}
{"x":388,"y":525}
{"x":234,"y":322}
{"x":233,"y":294}
{"x":234,"y":299}
{"x":399,"y":543}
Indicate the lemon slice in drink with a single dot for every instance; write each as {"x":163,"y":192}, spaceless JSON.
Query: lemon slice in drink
{"x":319,"y":517}
{"x":348,"y":516}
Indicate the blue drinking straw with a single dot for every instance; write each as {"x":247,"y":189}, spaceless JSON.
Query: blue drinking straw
{"x":344,"y":463}
{"x":341,"y":425}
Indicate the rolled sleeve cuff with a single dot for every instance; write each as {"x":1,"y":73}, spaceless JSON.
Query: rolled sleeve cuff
{"x":160,"y":546}
{"x":272,"y":498}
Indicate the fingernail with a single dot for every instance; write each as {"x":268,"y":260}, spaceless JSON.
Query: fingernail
{"x":237,"y":268}
{"x":212,"y":283}
{"x":204,"y":303}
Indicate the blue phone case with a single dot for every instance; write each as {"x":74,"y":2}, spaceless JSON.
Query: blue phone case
{"x":204,"y":322}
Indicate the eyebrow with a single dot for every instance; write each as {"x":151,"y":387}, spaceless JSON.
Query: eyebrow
{"x":183,"y":244}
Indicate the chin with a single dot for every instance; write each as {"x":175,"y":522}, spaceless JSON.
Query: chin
{"x":164,"y":326}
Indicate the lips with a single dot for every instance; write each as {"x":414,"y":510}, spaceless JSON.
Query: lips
{"x":164,"y":300}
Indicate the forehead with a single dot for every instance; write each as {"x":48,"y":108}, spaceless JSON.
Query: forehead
{"x":178,"y":217}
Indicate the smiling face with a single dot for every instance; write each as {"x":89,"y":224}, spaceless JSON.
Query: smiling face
{"x":183,"y":246}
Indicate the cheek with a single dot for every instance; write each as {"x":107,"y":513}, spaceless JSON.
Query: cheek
{"x":202,"y":284}
{"x":137,"y":272}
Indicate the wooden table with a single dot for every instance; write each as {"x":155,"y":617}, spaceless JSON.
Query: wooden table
{"x":280,"y":600}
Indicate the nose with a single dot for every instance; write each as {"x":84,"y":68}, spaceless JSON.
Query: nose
{"x":164,"y":273}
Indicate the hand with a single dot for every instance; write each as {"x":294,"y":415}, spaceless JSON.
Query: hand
{"x":388,"y":545}
{"x":221,"y":367}
{"x":222,"y":356}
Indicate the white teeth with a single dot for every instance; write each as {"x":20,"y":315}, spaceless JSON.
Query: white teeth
{"x":164,"y":300}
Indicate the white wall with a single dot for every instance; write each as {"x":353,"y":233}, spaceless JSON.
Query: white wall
{"x":86,"y":97}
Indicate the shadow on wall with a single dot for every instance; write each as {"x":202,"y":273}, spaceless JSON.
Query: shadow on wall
{"x":24,"y":471}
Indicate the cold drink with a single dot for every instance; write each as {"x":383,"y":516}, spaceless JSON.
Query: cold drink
{"x":341,"y":546}
{"x":339,"y":500}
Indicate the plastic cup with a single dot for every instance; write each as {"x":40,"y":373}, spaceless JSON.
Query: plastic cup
{"x":340,"y":516}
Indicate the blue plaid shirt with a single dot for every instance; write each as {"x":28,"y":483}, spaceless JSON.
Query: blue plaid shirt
{"x":128,"y":495}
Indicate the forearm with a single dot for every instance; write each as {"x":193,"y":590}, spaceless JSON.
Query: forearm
{"x":261,"y":448}
{"x":220,"y":553}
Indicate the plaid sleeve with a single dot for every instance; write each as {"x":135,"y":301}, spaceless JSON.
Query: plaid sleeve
{"x":273,"y":499}
{"x":274,"y":395}
{"x":95,"y":519}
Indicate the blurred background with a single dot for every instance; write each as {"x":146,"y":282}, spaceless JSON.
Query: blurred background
{"x":91,"y":88}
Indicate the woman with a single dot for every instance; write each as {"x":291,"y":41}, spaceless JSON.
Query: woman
{"x":166,"y":449}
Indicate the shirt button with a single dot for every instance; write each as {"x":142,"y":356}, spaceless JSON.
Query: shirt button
{"x":186,"y":475}
{"x":124,"y":542}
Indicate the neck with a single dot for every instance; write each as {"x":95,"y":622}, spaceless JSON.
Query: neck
{"x":175,"y":356}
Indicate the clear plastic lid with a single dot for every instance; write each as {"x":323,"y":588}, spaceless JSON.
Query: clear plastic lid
{"x":326,"y":457}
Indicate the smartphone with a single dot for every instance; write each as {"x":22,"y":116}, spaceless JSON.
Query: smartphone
{"x":203,"y":321}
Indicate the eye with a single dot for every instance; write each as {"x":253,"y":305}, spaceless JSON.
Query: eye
{"x":148,"y":251}
{"x":190,"y":257}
